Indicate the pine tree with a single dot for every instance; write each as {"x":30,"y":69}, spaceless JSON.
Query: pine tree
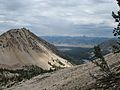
{"x":101,"y":62}
{"x":116,"y":31}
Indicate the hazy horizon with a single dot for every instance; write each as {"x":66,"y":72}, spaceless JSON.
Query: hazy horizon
{"x":1,"y":32}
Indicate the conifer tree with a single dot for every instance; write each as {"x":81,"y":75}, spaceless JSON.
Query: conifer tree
{"x":116,"y":31}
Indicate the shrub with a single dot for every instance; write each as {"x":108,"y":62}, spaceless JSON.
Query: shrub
{"x":18,"y":75}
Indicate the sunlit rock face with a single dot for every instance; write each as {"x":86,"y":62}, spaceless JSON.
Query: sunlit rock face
{"x":19,"y":47}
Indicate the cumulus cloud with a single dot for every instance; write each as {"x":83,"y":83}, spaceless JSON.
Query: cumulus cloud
{"x":59,"y":17}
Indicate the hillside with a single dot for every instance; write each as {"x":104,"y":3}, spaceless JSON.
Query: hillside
{"x":108,"y":45}
{"x":19,"y":47}
{"x":73,"y":78}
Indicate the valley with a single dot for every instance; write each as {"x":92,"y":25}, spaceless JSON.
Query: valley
{"x":79,"y":48}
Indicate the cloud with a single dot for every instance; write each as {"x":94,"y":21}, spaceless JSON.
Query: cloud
{"x":58,"y":17}
{"x":101,"y":1}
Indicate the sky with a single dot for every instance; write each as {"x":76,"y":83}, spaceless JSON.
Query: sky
{"x":59,"y":17}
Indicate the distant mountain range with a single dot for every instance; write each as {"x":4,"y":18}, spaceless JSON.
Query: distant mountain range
{"x":77,"y":40}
